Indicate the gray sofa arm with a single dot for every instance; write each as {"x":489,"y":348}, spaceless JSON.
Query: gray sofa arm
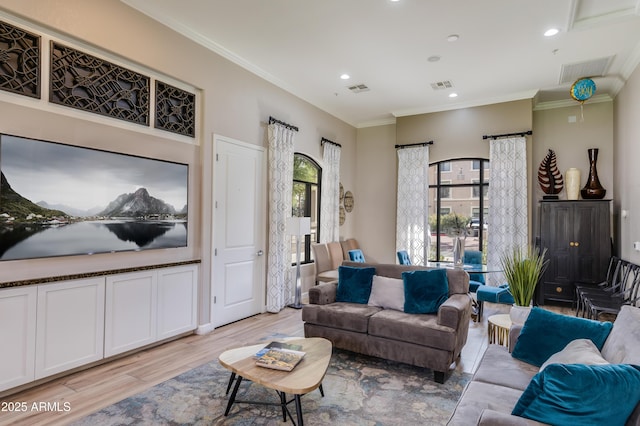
{"x":514,"y":333}
{"x":496,"y":418}
{"x":323,"y":294}
{"x":452,"y":311}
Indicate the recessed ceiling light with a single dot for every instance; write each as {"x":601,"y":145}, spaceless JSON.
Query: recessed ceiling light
{"x":434,"y":58}
{"x":345,"y":76}
{"x":551,"y":32}
{"x":394,"y":1}
{"x":453,"y":95}
{"x":453,"y":37}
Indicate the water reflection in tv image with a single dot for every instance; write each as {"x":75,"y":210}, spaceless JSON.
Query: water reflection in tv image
{"x":63,"y":200}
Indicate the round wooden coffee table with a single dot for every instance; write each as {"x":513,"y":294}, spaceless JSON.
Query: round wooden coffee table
{"x":304,"y":378}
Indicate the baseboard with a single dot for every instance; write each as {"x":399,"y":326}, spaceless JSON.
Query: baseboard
{"x":205,"y":328}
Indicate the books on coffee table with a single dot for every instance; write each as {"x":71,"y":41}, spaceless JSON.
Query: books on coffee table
{"x":279,"y":356}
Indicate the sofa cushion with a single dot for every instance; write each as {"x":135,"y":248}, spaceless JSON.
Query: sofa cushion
{"x":623,"y":343}
{"x":425,"y":291}
{"x":498,"y":367}
{"x":477,"y":397}
{"x":354,"y":284}
{"x":579,"y":351}
{"x":544,"y":333}
{"x":346,"y":316}
{"x":387,"y":293}
{"x":570,"y":394}
{"x":421,"y":329}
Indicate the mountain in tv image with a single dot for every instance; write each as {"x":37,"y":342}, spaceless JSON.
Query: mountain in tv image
{"x":14,"y":205}
{"x":137,"y":204}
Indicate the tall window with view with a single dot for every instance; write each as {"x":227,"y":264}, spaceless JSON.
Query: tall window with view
{"x":458,"y":206}
{"x":306,"y":201}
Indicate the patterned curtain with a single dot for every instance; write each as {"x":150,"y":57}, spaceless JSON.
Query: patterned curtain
{"x":412,"y":214}
{"x":280,"y":193}
{"x":330,"y":194}
{"x":508,"y":201}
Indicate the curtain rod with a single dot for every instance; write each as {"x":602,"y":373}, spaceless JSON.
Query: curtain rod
{"x":527,"y":132}
{"x":288,"y":126}
{"x":414,"y":144}
{"x":325,"y":140}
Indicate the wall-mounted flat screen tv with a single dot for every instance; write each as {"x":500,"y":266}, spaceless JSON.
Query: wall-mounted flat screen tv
{"x":63,"y":200}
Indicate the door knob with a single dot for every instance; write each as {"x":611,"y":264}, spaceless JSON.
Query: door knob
{"x":260,"y":253}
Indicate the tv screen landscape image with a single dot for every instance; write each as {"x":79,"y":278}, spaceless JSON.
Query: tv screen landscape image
{"x":63,"y":200}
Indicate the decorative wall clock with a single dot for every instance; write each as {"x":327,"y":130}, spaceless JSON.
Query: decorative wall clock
{"x":348,"y":201}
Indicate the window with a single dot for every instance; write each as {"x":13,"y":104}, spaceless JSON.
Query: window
{"x":306,"y":202}
{"x":459,"y":203}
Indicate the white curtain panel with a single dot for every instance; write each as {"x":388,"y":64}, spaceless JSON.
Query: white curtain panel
{"x":330,"y":194}
{"x":412,"y":214}
{"x":279,"y":277}
{"x":508,"y":202}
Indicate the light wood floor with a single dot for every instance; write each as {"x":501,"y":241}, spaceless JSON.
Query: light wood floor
{"x":90,"y":390}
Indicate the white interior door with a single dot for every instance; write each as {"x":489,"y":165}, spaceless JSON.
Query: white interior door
{"x":238,"y":277}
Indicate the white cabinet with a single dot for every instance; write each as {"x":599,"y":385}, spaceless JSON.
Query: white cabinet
{"x":46,"y":329}
{"x":18,"y":336}
{"x":130,"y":311}
{"x":70,"y":325}
{"x":147,"y":306}
{"x":177,"y":300}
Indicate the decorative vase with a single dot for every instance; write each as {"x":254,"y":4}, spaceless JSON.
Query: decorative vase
{"x":519,"y":314}
{"x":458,"y":251}
{"x":593,"y":190}
{"x":572,"y":179}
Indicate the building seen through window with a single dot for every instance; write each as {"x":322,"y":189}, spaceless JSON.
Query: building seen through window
{"x":306,"y":202}
{"x":458,"y":205}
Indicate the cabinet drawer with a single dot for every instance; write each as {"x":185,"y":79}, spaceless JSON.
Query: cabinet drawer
{"x":557,"y":291}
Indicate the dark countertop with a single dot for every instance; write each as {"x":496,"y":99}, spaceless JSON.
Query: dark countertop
{"x":93,"y":274}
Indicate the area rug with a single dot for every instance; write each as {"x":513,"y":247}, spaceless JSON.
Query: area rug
{"x":359,"y":390}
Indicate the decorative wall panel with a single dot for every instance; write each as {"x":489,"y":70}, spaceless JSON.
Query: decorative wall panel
{"x":175,"y":109}
{"x":19,"y":61}
{"x":82,"y":81}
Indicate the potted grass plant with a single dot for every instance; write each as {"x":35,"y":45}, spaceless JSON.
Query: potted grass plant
{"x":523,"y":268}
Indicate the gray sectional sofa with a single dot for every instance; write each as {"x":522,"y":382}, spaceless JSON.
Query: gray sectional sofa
{"x":500,"y":380}
{"x":427,"y":340}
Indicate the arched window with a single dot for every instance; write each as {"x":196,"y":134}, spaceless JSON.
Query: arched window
{"x":458,"y":203}
{"x":306,"y":201}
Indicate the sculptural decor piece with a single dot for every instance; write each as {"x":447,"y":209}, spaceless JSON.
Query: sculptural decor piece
{"x":549,"y":177}
{"x":593,"y":190}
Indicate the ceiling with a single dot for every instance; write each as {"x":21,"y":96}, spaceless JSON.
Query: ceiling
{"x":501,"y":54}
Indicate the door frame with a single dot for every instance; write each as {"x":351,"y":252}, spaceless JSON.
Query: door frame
{"x":263,"y":237}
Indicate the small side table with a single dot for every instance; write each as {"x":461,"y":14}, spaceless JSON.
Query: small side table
{"x":498,"y":329}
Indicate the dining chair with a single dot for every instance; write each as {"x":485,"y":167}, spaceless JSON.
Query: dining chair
{"x":403,"y":257}
{"x":356,"y":256}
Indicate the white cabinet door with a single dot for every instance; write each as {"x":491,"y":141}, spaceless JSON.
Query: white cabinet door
{"x":18,"y":336}
{"x":70,"y":325}
{"x":177,"y":300}
{"x":130,"y":317}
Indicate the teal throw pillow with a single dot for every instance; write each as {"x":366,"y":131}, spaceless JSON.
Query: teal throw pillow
{"x":354,"y":284}
{"x":544,"y":333}
{"x":578,"y":394}
{"x":425,"y":290}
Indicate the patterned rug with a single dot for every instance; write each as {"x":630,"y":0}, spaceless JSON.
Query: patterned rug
{"x":359,"y":390}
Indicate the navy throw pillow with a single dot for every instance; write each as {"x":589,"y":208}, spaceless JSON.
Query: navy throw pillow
{"x":578,"y":394}
{"x":354,"y":284}
{"x":544,"y":333}
{"x":425,"y":290}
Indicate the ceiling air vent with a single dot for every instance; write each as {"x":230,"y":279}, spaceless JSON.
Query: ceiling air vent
{"x":593,"y":68}
{"x":440,"y":85}
{"x":359,"y":88}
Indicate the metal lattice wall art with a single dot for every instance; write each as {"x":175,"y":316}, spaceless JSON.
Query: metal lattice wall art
{"x":82,"y":81}
{"x":175,"y":109}
{"x":19,"y":61}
